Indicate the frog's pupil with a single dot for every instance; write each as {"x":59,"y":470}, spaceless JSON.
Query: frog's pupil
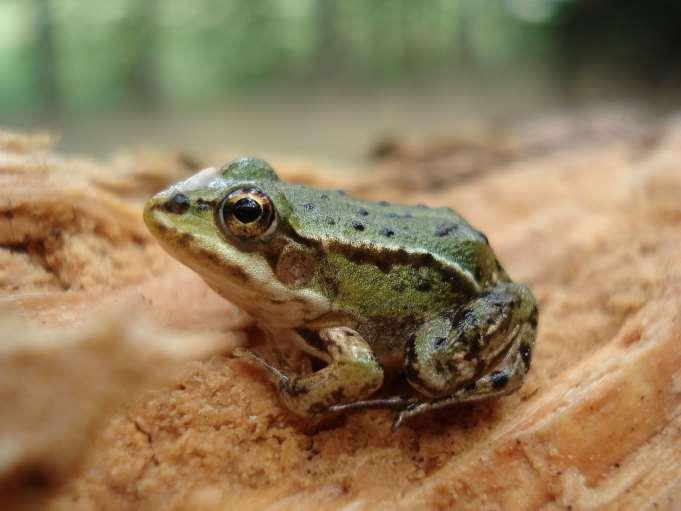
{"x":247,"y":210}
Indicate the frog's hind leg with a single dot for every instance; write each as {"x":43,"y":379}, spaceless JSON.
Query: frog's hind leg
{"x":353,"y":373}
{"x":476,"y":352}
{"x":506,"y":379}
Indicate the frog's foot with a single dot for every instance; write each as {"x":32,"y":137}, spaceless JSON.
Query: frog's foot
{"x":507,"y":378}
{"x":352,"y":374}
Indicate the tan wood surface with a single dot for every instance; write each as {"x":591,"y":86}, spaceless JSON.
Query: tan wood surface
{"x":588,"y":216}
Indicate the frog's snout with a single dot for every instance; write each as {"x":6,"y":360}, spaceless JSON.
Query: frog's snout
{"x":169,"y":201}
{"x":158,"y":206}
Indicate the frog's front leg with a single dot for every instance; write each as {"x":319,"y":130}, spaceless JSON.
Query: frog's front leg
{"x":476,"y":352}
{"x":353,"y":373}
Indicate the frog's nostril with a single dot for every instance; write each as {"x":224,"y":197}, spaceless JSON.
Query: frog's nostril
{"x":178,"y":204}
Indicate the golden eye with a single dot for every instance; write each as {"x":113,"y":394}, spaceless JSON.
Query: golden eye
{"x":246,"y":213}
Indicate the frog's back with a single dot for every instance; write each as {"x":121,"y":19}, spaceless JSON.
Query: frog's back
{"x":389,"y":233}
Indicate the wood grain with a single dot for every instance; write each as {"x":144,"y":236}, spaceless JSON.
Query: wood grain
{"x":592,"y":224}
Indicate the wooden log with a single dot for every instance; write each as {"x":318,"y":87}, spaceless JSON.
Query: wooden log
{"x":593,"y":228}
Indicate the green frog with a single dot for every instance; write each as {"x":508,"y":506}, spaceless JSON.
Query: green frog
{"x":374,"y":290}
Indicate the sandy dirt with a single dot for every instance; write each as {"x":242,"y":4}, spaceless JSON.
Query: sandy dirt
{"x":586,"y":212}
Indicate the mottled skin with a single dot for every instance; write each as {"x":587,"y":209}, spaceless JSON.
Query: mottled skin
{"x":372,"y":289}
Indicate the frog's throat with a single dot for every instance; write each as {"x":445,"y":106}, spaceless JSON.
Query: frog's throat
{"x":261,"y":294}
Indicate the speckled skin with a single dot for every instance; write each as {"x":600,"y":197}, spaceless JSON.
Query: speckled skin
{"x":369,"y":287}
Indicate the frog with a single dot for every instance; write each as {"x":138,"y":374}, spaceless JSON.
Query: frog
{"x":374,"y":291}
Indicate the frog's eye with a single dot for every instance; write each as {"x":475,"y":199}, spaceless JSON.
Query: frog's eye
{"x":246,"y":213}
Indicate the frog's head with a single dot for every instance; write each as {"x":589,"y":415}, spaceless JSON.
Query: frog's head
{"x":230,"y":225}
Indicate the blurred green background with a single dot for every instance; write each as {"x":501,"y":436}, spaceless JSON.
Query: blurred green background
{"x":321,"y":77}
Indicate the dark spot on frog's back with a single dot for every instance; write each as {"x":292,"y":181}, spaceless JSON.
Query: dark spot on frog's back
{"x":445,"y":229}
{"x":385,"y":231}
{"x":362,"y":212}
{"x":357,"y":225}
{"x":177,"y":204}
{"x":309,"y":206}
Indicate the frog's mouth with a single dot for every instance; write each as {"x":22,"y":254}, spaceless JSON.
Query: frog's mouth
{"x":246,"y":279}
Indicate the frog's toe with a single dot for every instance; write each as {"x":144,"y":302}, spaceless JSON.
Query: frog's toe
{"x":397,"y":422}
{"x":412,"y":409}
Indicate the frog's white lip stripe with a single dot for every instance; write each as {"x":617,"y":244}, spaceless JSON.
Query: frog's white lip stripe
{"x":262,"y":294}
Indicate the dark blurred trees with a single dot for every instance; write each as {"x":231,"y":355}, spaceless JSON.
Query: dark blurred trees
{"x":640,"y":39}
